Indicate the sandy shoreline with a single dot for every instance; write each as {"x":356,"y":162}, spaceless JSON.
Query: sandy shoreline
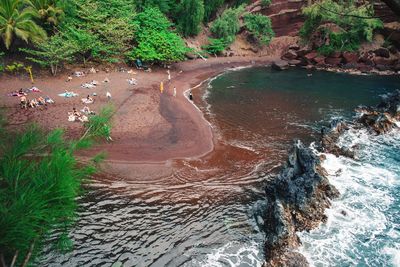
{"x":149,"y":127}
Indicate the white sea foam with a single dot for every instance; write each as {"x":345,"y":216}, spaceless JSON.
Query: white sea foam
{"x":233,"y":254}
{"x":362,"y":221}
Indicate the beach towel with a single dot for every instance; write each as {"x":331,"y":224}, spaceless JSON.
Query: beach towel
{"x":71,"y":117}
{"x":79,"y":74}
{"x":34,"y":89}
{"x":88,"y":85}
{"x":16,"y":94}
{"x":68,"y":95}
{"x":86,"y":101}
{"x":132,"y":81}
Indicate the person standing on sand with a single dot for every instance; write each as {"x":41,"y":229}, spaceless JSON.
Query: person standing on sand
{"x":174,"y":93}
{"x":190,"y":95}
{"x":161,"y":87}
{"x":169,"y":76}
{"x":108,"y":95}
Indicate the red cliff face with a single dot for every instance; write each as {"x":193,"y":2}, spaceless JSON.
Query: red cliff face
{"x":287,"y":18}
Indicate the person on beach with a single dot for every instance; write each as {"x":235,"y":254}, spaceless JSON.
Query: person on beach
{"x":23,"y":102}
{"x":108,"y":95}
{"x":161,"y":87}
{"x":69,"y":78}
{"x":190,"y":95}
{"x":169,"y":76}
{"x":174,"y":93}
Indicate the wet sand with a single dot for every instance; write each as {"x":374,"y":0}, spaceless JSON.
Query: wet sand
{"x":149,"y":128}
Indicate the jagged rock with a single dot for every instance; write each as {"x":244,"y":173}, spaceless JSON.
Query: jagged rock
{"x":295,"y":62}
{"x":384,"y":116}
{"x":383,"y":61}
{"x":336,"y":54}
{"x":296,"y":201}
{"x":290,"y":54}
{"x":319,"y":60}
{"x":295,"y":47}
{"x":302,"y":52}
{"x":367,"y":58}
{"x":311,"y":55}
{"x":350,"y":57}
{"x":333,"y":61}
{"x":280,"y":65}
{"x":330,"y":136}
{"x":382,"y":52}
{"x":381,"y":67}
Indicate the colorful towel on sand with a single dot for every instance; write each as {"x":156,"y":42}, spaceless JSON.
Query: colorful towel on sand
{"x":68,"y":95}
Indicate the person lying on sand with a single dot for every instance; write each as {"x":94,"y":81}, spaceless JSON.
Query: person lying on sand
{"x":76,"y":115}
{"x":87,"y":111}
{"x":33,"y":103}
{"x":87,"y":85}
{"x":79,"y":74}
{"x":49,"y":100}
{"x":41,"y":101}
{"x":23,"y":102}
{"x":69,"y":78}
{"x":87,"y":100}
{"x":132,"y":81}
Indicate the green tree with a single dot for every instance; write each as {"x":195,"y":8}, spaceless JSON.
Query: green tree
{"x":156,"y":42}
{"x":210,"y":8}
{"x":53,"y":53}
{"x":40,"y":180}
{"x":215,"y":46}
{"x":355,"y":22}
{"x":259,"y":27}
{"x":227,"y":25}
{"x":16,"y":19}
{"x":190,"y":16}
{"x":48,"y":11}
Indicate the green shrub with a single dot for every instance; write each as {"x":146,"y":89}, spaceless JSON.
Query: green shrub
{"x":40,"y":181}
{"x":265,"y":3}
{"x":155,"y":40}
{"x":210,"y":8}
{"x":215,"y":46}
{"x":227,"y":25}
{"x":190,"y":16}
{"x":259,"y":26}
{"x":356,"y":21}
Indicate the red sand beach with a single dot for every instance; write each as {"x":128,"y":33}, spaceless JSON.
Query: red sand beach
{"x":149,"y":128}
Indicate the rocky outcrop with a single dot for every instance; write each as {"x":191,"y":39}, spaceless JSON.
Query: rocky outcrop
{"x":296,"y":201}
{"x":384,"y":117}
{"x":330,"y":137}
{"x":280,"y":65}
{"x":381,"y":60}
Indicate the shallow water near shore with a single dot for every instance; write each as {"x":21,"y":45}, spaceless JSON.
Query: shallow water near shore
{"x":204,"y":214}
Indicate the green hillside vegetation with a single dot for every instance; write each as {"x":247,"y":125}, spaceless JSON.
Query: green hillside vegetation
{"x":352,"y":24}
{"x":52,"y":33}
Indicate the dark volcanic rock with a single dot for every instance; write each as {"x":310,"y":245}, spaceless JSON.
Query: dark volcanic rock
{"x":333,"y":61}
{"x":383,"y":117}
{"x":296,"y":201}
{"x":290,"y":54}
{"x":295,"y":62}
{"x":280,"y":65}
{"x":330,"y":136}
{"x":350,"y":57}
{"x":382,"y":52}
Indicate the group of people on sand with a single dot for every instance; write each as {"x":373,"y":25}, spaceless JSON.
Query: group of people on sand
{"x":34,"y":102}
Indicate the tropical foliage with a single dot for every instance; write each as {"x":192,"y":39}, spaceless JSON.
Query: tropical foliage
{"x":190,"y":15}
{"x":155,"y":40}
{"x":17,"y":20}
{"x":227,"y":25}
{"x":40,"y":180}
{"x":259,"y":27}
{"x":354,"y":24}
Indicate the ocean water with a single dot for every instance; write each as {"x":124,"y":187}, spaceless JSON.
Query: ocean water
{"x":205,"y":213}
{"x":363,"y":227}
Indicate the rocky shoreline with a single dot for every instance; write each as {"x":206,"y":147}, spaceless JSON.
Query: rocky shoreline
{"x":297,"y":198}
{"x":381,"y":61}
